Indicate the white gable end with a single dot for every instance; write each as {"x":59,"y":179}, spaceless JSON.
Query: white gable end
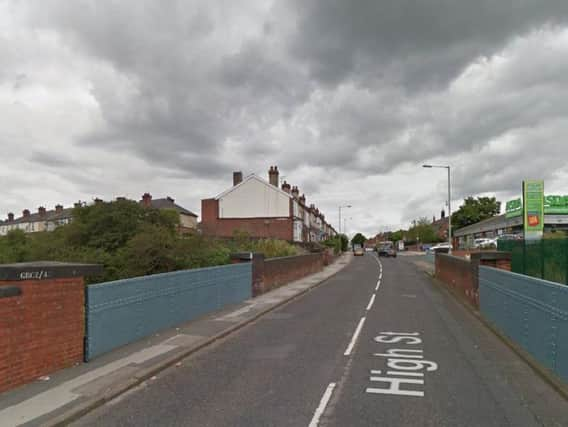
{"x":254,"y":198}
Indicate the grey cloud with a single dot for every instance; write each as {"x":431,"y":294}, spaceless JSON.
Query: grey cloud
{"x":424,"y":41}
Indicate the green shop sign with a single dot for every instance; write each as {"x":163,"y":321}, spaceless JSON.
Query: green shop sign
{"x":533,"y":209}
{"x":553,"y":205}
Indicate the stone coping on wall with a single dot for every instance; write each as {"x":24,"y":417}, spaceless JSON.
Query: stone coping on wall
{"x":45,"y":270}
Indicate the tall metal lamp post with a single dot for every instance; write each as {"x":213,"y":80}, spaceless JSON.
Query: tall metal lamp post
{"x":449,"y":202}
{"x":340,"y":207}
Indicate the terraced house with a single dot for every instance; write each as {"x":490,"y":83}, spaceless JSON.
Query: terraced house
{"x":42,"y":220}
{"x":264,"y":209}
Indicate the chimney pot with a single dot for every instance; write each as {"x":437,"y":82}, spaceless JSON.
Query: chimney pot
{"x":273,"y":175}
{"x":295,"y":192}
{"x":147,"y":199}
{"x":286,"y":187}
{"x":41,"y":211}
{"x":237,"y":177}
{"x":58,"y":208}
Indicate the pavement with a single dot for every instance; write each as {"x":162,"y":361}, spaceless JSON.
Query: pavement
{"x":377,"y":344}
{"x":73,"y":392}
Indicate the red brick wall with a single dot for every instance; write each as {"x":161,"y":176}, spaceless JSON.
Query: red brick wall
{"x":41,"y":330}
{"x":279,"y":271}
{"x":459,"y":274}
{"x":212,"y":225}
{"x":276,"y":228}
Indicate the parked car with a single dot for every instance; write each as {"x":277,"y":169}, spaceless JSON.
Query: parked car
{"x":386,"y":249}
{"x":358,"y":251}
{"x":440,"y":247}
{"x":484,"y":243}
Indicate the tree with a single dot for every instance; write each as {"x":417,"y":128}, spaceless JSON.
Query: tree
{"x":422,"y":231}
{"x":358,"y":239}
{"x":474,"y":210}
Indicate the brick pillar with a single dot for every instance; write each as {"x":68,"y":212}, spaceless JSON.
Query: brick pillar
{"x":257,"y":260}
{"x":42,"y":319}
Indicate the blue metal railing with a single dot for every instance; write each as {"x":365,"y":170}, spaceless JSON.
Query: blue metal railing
{"x":124,"y":311}
{"x":531,"y":312}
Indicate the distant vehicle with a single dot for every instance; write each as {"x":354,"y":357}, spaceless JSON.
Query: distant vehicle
{"x":510,"y":237}
{"x":484,"y":243}
{"x":368,"y":249}
{"x":400,"y":245}
{"x":440,"y":247}
{"x":386,"y":249}
{"x":358,"y":250}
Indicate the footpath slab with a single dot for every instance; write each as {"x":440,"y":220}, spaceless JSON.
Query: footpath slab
{"x":71,"y":393}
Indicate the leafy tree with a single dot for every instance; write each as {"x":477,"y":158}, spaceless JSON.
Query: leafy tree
{"x":422,"y":231}
{"x":358,"y":239}
{"x":474,"y":210}
{"x":395,"y":236}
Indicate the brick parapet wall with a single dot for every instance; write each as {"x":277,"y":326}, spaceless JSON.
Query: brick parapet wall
{"x":458,"y":273}
{"x":462,"y":273}
{"x":279,"y":271}
{"x":41,"y":330}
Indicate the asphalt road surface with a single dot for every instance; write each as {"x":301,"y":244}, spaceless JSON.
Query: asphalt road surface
{"x":379,"y":344}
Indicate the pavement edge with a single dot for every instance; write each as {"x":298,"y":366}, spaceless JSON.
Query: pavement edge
{"x":83,"y":408}
{"x":540,"y":370}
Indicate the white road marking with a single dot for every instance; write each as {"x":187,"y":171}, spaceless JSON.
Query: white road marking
{"x":322,"y":405}
{"x":371,"y":302}
{"x":378,"y":284}
{"x":355,"y":336}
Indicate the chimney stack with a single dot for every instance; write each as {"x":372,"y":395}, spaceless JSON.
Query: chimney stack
{"x":98,"y":201}
{"x":443,"y":213}
{"x":303,"y":199}
{"x":10,"y":216}
{"x":26,"y":213}
{"x":295,"y":192}
{"x":147,"y":200}
{"x":273,"y":175}
{"x":41,"y":211}
{"x":237,"y":178}
{"x":286,"y":187}
{"x":170,"y":199}
{"x":58,"y":208}
{"x":120,"y":198}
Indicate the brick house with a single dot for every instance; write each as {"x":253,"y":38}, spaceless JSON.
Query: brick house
{"x":42,"y":220}
{"x":441,"y":225}
{"x":187,"y":219}
{"x":263,"y":210}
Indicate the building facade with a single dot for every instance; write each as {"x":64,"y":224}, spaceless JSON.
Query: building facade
{"x":187,"y":219}
{"x":263,"y":209}
{"x":42,"y":220}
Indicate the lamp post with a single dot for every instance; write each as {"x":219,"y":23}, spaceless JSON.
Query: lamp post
{"x":344,"y":206}
{"x":449,"y":202}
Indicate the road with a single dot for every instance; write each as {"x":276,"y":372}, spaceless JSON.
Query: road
{"x":379,"y":344}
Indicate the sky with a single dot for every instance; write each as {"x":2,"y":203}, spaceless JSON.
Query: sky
{"x":102,"y":98}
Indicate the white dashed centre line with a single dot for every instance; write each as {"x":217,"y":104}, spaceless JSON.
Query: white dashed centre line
{"x":371,"y":302}
{"x":355,"y":336}
{"x":322,"y":405}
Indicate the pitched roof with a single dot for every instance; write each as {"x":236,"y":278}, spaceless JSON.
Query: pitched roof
{"x":168,"y":203}
{"x":249,"y":178}
{"x":50,"y":215}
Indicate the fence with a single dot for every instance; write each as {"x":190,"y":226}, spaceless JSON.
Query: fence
{"x":124,"y":311}
{"x":545,"y":259}
{"x":531,"y":312}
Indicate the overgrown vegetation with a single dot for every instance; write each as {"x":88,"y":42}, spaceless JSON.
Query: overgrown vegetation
{"x":130,"y":240}
{"x":339,"y":243}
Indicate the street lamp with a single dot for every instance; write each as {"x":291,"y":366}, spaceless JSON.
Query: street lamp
{"x":449,"y":202}
{"x":344,"y":206}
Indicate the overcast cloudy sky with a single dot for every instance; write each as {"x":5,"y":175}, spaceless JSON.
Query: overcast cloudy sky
{"x":109,"y":98}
